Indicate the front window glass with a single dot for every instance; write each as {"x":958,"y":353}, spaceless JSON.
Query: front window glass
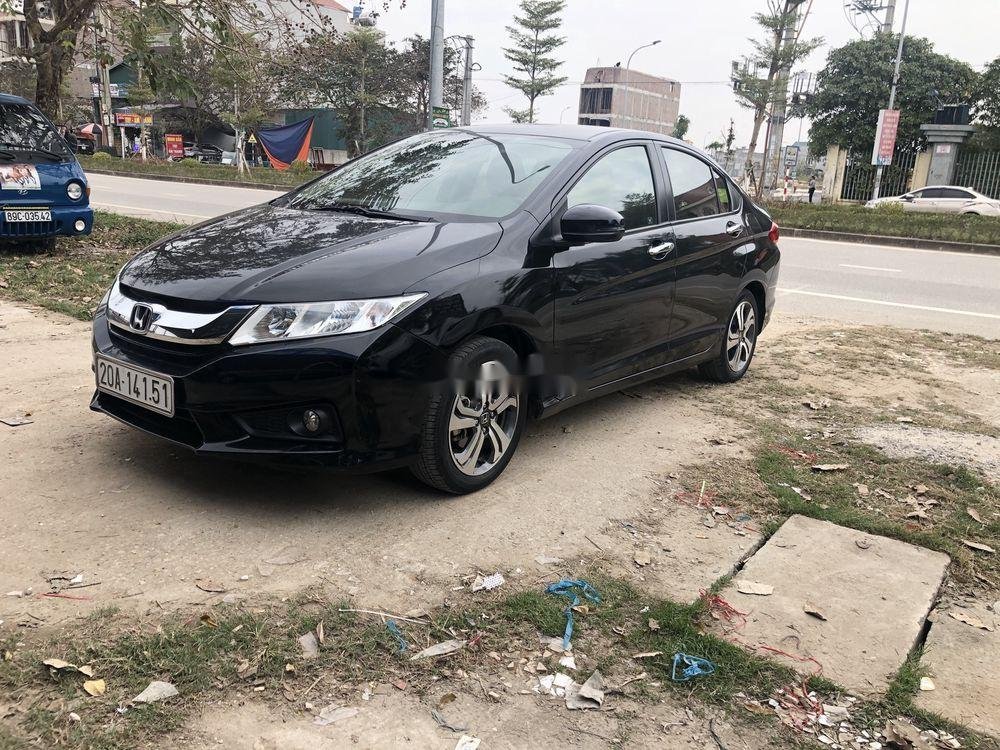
{"x":622,"y":181}
{"x":692,"y":184}
{"x":452,"y":172}
{"x":22,"y":128}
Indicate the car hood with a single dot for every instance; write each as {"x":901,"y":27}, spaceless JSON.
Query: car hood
{"x":275,"y":254}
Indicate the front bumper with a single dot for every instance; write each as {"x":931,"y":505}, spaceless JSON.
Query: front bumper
{"x":235,"y":401}
{"x":63,"y":222}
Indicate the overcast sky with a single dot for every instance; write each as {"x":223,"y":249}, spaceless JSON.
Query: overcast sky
{"x":699,"y":41}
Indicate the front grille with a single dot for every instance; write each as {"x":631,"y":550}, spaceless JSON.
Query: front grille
{"x":19,"y":229}
{"x":145,"y":346}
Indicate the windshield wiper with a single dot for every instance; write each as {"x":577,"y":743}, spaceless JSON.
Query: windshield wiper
{"x":375,"y":213}
{"x":4,"y":153}
{"x":31,"y":149}
{"x":46,"y":152}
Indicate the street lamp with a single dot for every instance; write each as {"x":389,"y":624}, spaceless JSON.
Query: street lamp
{"x":568,"y":106}
{"x":628,"y":67}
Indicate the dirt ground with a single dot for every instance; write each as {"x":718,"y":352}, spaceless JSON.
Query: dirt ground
{"x":146,"y":522}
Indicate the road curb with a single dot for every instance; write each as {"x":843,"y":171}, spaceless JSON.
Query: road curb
{"x":192,"y":180}
{"x":877,"y":239}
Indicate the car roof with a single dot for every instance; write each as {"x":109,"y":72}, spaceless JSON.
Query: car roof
{"x":11,"y":99}
{"x":957,"y":187}
{"x":573,"y":132}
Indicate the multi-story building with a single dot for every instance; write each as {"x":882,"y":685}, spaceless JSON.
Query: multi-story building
{"x":640,"y":100}
{"x":15,"y":42}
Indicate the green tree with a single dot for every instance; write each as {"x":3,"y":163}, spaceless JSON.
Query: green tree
{"x":854,"y":86}
{"x":681,"y":126}
{"x":987,"y":107}
{"x":531,"y":53}
{"x":760,"y":84}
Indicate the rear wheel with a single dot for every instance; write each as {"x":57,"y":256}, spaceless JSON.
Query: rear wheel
{"x":738,"y":344}
{"x":473,"y":427}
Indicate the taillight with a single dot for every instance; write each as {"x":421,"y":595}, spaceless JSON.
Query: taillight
{"x":773,"y":234}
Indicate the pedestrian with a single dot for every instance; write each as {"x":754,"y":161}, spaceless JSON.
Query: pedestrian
{"x":812,"y":187}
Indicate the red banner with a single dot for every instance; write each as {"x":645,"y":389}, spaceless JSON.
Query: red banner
{"x":175,"y":145}
{"x":885,"y":137}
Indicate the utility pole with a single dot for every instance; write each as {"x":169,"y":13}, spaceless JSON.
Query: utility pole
{"x":107,"y":126}
{"x":892,"y":92}
{"x":890,"y":14}
{"x":437,"y":61}
{"x":779,"y":99}
{"x":467,"y":84}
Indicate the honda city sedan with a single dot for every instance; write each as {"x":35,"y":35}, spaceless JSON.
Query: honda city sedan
{"x":417,"y":306}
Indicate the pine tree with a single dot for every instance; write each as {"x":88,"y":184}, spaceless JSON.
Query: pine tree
{"x":530,"y":53}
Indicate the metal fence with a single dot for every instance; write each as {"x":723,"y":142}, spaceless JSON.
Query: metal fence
{"x":979,"y":171}
{"x":859,"y":175}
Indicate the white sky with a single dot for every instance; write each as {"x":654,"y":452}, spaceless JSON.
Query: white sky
{"x":700,"y":38}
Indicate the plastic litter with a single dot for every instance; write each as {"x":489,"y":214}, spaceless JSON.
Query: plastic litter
{"x":488,"y":583}
{"x":397,"y":634}
{"x":691,"y":667}
{"x":565,"y":588}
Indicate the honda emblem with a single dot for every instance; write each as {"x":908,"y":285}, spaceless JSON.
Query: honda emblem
{"x":140,"y":318}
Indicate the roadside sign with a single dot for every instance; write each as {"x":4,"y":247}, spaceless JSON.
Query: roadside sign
{"x":175,"y":145}
{"x":440,"y":117}
{"x":791,"y":156}
{"x":885,"y":137}
{"x":126,"y":119}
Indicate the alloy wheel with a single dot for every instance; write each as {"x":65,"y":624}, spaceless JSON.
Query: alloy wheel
{"x":483,"y":420}
{"x":741,"y":336}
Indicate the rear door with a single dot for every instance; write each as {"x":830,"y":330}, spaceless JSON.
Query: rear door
{"x":712,"y":241}
{"x":953,"y":200}
{"x":612,"y":307}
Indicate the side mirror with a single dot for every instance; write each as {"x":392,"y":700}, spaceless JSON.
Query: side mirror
{"x":589,"y":223}
{"x":908,"y":197}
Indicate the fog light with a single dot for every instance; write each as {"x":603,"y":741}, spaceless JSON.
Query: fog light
{"x":312,"y":421}
{"x":79,"y":225}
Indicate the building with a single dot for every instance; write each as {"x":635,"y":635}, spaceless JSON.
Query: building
{"x":641,"y":101}
{"x":15,"y":43}
{"x":303,"y":17}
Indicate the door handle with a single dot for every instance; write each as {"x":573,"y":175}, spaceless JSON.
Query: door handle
{"x":734,"y":229}
{"x":661,"y":251}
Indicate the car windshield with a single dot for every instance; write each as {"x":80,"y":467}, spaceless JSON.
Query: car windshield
{"x":448,"y":172}
{"x":22,"y":128}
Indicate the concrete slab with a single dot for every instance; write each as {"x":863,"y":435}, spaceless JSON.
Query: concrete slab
{"x":964,"y":663}
{"x":873,"y":592}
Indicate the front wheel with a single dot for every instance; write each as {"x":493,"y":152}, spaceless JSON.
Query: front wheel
{"x":474,"y":425}
{"x":739,"y":344}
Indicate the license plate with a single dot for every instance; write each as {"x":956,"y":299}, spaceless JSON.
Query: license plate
{"x":155,"y":392}
{"x":29,"y":214}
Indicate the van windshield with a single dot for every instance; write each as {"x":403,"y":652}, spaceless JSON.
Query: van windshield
{"x":448,"y":172}
{"x":23,"y":129}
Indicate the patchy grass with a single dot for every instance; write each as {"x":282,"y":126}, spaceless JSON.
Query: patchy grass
{"x":72,"y":278}
{"x":202,"y":652}
{"x":192,"y":168}
{"x":859,"y":220}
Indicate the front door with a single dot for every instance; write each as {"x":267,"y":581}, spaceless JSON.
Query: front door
{"x":613,"y":299}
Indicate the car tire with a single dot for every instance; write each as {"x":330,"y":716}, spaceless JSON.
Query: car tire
{"x":455,"y":424}
{"x":738,"y":344}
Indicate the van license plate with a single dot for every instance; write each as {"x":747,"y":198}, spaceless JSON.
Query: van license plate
{"x":141,"y":387}
{"x":27,"y":215}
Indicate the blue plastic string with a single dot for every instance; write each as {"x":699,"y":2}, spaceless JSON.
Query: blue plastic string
{"x":565,"y":588}
{"x":693,"y":666}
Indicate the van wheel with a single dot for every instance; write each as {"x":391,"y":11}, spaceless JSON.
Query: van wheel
{"x":738,"y":344}
{"x":474,"y":424}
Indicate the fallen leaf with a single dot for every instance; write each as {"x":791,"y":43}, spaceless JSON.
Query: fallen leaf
{"x":320,"y":633}
{"x":817,"y":405}
{"x":245,"y":669}
{"x":974,"y":515}
{"x":754,"y":587}
{"x":95,"y":687}
{"x":920,"y":489}
{"x":904,"y":420}
{"x":642,"y":558}
{"x":58,"y":664}
{"x":207,"y":621}
{"x":918,"y":513}
{"x":646,"y":654}
{"x":333,"y":713}
{"x":829,"y":467}
{"x":963,"y":616}
{"x":814,"y":611}
{"x":86,"y":669}
{"x":445,"y":699}
{"x":158,"y":690}
{"x":399,"y":684}
{"x":863,"y":490}
{"x":979,"y":546}
{"x":210,"y":587}
{"x":653,"y":624}
{"x":926,"y":683}
{"x":439,"y":649}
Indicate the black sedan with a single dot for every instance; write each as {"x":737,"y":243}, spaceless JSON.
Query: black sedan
{"x":416,"y":306}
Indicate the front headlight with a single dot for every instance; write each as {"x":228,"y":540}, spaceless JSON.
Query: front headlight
{"x":75,"y":191}
{"x":309,"y":319}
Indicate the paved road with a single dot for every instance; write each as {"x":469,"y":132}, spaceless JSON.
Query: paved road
{"x":170,"y":201}
{"x":943,"y":291}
